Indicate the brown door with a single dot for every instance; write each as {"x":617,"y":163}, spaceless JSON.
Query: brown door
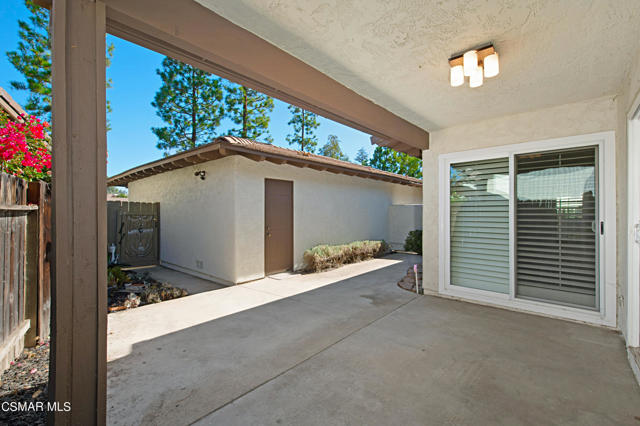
{"x":278,"y":226}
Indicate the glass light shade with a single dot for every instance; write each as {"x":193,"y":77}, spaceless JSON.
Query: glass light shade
{"x":491,"y":65}
{"x":475,"y":80}
{"x":457,"y":76}
{"x":470,"y":61}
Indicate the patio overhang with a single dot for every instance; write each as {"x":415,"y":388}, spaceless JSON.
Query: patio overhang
{"x":187,"y":31}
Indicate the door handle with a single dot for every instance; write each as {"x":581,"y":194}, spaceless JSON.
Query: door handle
{"x":268,"y":231}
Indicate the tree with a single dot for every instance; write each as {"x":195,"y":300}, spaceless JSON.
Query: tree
{"x":117,"y":191}
{"x":396,"y":162}
{"x":249,"y":109}
{"x":33,"y":60}
{"x":332,"y":149}
{"x":190,"y":102}
{"x":362,"y":157}
{"x":304,"y":123}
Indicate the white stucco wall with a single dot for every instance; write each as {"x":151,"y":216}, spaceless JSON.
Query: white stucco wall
{"x":590,"y":116}
{"x":220,"y":221}
{"x":630,"y":90}
{"x":196,"y":218}
{"x":328,"y":209}
{"x":403,"y":218}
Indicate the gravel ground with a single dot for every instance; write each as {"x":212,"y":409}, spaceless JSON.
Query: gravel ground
{"x":26,"y":381}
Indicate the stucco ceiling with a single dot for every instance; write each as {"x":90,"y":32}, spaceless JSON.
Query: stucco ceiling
{"x":395,"y":52}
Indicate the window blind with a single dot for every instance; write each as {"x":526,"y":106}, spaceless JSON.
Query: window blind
{"x":479,"y":225}
{"x":557,"y":226}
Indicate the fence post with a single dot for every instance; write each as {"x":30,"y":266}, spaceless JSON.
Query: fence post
{"x":32,"y":267}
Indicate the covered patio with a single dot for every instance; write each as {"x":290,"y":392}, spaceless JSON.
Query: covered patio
{"x":348,"y":346}
{"x":362,"y":350}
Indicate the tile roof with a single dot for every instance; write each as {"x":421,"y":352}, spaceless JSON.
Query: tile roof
{"x":257,"y":151}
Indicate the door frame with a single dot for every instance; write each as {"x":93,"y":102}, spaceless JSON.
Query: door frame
{"x":632,"y":331}
{"x":606,"y":315}
{"x":264,"y":230}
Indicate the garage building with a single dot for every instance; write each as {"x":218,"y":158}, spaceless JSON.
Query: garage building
{"x":236,"y":210}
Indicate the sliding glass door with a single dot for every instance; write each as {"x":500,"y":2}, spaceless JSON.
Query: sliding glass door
{"x":557,"y":227}
{"x":479,"y":219}
{"x":527,"y":225}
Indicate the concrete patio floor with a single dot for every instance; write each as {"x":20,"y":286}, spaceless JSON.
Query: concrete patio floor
{"x":350,"y":347}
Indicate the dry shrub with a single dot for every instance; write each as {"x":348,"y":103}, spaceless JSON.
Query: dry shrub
{"x":322,"y":257}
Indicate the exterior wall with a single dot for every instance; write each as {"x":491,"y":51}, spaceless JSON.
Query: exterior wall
{"x":629,"y":92}
{"x":590,"y":116}
{"x":402,"y":219}
{"x":328,"y":208}
{"x":220,"y":221}
{"x":196,"y":218}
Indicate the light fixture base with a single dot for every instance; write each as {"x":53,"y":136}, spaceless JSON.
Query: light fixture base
{"x":483,"y":52}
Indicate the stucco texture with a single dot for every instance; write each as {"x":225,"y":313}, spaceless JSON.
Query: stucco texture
{"x":629,"y":92}
{"x":395,"y":52}
{"x":220,"y":220}
{"x":590,"y":116}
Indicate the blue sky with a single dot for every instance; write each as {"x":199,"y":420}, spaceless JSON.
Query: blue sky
{"x":134,"y":84}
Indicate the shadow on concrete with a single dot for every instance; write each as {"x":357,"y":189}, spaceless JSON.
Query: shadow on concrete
{"x":363,"y":351}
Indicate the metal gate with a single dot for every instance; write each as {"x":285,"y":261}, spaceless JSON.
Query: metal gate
{"x":133,"y":232}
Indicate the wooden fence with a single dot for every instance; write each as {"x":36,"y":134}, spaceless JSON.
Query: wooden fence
{"x":25,"y":240}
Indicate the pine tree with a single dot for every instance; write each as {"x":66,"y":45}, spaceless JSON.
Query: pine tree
{"x":190,"y":101}
{"x":332,"y":149}
{"x":396,"y":162}
{"x":362,"y":157}
{"x":304,"y":124}
{"x":33,"y":60}
{"x":249,"y":109}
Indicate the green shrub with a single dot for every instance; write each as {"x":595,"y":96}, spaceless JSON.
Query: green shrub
{"x":414,"y":241}
{"x":117,"y":277}
{"x":325,"y":256}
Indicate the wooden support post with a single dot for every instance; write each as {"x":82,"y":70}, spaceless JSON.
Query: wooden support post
{"x":79,"y":333}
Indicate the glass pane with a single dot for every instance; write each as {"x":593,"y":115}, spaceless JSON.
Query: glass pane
{"x":479,"y":225}
{"x":557,"y":227}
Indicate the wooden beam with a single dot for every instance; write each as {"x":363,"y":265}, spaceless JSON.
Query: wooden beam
{"x":208,"y":156}
{"x":277,"y":160}
{"x":255,"y":157}
{"x":79,"y":287}
{"x":189,"y":32}
{"x":10,"y":106}
{"x":182,"y":162}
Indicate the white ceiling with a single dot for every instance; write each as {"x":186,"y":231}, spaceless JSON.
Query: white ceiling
{"x":395,"y":52}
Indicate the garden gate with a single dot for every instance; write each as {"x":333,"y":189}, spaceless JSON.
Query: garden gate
{"x":133,"y":231}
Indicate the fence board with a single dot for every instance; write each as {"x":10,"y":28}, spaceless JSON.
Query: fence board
{"x":18,"y":285}
{"x":6,"y":306}
{"x":39,"y":193}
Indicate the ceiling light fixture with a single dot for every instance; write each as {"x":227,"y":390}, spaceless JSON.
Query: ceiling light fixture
{"x":457,"y":76}
{"x":475,"y":64}
{"x":475,"y":79}
{"x":470,"y":62}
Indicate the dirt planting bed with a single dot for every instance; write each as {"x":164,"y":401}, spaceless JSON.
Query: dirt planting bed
{"x":130,"y":289}
{"x":26,"y":381}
